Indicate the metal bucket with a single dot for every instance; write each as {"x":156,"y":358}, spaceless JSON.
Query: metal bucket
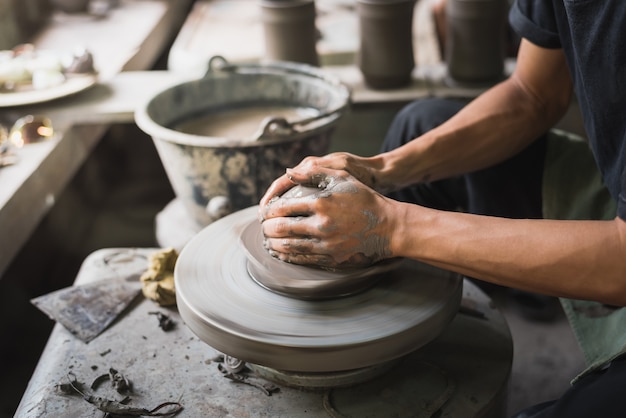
{"x":214,"y":176}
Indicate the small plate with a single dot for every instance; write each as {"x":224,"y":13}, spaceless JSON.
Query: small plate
{"x":72,"y":85}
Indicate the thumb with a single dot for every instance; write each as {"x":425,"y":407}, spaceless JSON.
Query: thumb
{"x":319,"y":179}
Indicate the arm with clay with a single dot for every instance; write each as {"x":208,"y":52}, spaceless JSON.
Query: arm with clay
{"x":523,"y":107}
{"x":334,"y":226}
{"x":351,"y":224}
{"x":346,"y":224}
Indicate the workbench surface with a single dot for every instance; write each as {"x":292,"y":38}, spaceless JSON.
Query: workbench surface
{"x":466,"y":368}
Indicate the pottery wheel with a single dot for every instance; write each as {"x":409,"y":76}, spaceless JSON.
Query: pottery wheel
{"x":229,"y":310}
{"x":305,"y":282}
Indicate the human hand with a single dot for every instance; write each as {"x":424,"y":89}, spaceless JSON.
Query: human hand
{"x":339,"y":224}
{"x":363,"y":169}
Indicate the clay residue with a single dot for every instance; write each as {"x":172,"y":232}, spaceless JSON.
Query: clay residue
{"x":158,"y":280}
{"x":373,"y":243}
{"x":361,"y":249}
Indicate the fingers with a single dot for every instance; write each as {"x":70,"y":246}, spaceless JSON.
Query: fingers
{"x":308,"y":172}
{"x":319,"y":227}
{"x":310,"y":252}
{"x":311,"y":178}
{"x":277,"y":188}
{"x":292,"y":177}
{"x":292,"y":240}
{"x":286,"y":182}
{"x":282,"y":247}
{"x":321,"y":260}
{"x":271,"y":205}
{"x":286,"y":208}
{"x":289,"y":227}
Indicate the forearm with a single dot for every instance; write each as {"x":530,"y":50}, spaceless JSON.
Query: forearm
{"x":575,"y":259}
{"x":495,"y":126}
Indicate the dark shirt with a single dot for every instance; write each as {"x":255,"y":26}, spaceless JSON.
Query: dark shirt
{"x":592,"y":34}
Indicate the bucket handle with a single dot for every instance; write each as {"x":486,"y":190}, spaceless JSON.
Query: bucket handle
{"x":218,"y":63}
{"x":272,"y":127}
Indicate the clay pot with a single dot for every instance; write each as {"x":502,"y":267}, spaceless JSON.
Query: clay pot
{"x":289,"y":30}
{"x":71,"y":6}
{"x":475,"y":40}
{"x":385,"y":55}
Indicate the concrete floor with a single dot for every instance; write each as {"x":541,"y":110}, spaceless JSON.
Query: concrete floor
{"x":546,"y":357}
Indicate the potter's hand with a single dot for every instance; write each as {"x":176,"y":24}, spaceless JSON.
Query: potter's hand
{"x":341,"y":224}
{"x":364,"y":169}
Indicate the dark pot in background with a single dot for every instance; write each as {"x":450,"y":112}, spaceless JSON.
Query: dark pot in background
{"x":290,"y":32}
{"x":385,"y":55}
{"x":71,"y":6}
{"x":475,"y":40}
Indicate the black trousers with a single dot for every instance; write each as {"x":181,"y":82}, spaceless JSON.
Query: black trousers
{"x":510,"y":189}
{"x":599,"y":394}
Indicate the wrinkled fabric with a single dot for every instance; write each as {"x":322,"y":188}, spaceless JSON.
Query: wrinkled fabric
{"x":598,"y":394}
{"x":573,"y":189}
{"x":591,"y":33}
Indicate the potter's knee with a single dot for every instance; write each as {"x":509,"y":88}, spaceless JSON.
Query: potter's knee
{"x":428,"y":113}
{"x":434,"y":106}
{"x":418,"y":117}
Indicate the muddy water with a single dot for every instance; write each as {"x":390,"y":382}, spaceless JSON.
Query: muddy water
{"x":241,"y":123}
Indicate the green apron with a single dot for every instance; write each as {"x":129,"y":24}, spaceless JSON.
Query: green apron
{"x":573,"y":189}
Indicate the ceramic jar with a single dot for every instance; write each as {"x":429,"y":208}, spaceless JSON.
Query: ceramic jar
{"x":475,"y":40}
{"x":289,"y":30}
{"x":385,"y":56}
{"x":71,"y":6}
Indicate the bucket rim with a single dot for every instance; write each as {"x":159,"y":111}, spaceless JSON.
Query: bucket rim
{"x":217,"y":67}
{"x":159,"y":132}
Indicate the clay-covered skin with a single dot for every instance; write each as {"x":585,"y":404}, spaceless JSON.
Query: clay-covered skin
{"x":324,"y":223}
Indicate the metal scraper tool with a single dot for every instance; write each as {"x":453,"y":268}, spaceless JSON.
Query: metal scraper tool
{"x":87,"y":310}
